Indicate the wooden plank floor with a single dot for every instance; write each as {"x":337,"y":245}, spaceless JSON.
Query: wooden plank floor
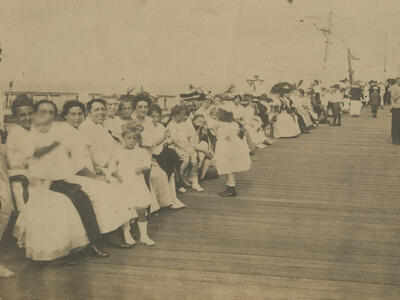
{"x":317,"y":217}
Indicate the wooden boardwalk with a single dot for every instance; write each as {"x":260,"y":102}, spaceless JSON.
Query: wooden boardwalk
{"x":317,"y":217}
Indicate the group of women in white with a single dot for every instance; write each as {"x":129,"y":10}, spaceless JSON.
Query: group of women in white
{"x":75,"y":181}
{"x":110,"y":163}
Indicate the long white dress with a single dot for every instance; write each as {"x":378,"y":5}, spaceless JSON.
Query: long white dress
{"x":133,"y":186}
{"x":48,"y":226}
{"x":110,"y":206}
{"x":355,"y":107}
{"x":286,"y":126}
{"x":231,"y":153}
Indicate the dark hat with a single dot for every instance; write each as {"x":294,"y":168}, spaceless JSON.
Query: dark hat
{"x":225,"y":116}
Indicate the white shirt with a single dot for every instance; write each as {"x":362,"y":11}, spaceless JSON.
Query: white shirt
{"x":55,"y":165}
{"x":238,"y":112}
{"x":147,"y":133}
{"x":115,"y":126}
{"x":101,"y":143}
{"x":78,"y":147}
{"x":158,"y":133}
{"x":15,"y":144}
{"x":182,"y":133}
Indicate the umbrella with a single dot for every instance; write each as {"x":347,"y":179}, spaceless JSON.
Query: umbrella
{"x":282,"y":88}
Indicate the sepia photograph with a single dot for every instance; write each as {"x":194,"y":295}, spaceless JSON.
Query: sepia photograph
{"x":199,"y":149}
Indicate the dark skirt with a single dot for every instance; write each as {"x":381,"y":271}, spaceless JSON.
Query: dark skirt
{"x":396,"y":125}
{"x":336,"y":109}
{"x":167,"y":160}
{"x":301,"y":122}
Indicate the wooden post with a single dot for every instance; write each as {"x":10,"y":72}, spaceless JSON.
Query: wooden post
{"x":327,"y":35}
{"x":349,"y":65}
{"x":385,"y":57}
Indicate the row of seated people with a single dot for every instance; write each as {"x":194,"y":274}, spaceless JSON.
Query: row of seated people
{"x":90,"y":176}
{"x":79,"y":182}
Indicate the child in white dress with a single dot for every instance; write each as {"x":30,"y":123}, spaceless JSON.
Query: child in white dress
{"x":231,"y":153}
{"x":129,"y":164}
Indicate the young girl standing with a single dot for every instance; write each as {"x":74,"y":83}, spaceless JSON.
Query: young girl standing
{"x":130,"y":162}
{"x":232,"y":153}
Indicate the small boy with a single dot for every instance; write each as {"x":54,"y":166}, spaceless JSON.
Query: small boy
{"x":183,"y":141}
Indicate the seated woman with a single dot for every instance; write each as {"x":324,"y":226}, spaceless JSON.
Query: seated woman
{"x":286,"y":125}
{"x":165,"y":161}
{"x":22,"y":110}
{"x":125,"y":110}
{"x":111,"y":207}
{"x":205,"y":107}
{"x":253,"y":123}
{"x":49,"y":225}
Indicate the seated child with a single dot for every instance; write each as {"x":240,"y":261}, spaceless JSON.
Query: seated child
{"x":183,"y":141}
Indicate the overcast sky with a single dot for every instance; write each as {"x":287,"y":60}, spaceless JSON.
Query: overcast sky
{"x":82,"y":45}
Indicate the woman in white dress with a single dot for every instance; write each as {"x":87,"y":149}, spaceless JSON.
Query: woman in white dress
{"x":162,"y":177}
{"x":231,"y":153}
{"x":48,"y":226}
{"x":286,"y":125}
{"x":111,"y":208}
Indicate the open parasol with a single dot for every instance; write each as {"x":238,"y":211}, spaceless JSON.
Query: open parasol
{"x":282,"y":88}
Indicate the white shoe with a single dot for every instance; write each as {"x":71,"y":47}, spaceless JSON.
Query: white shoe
{"x":129,"y":239}
{"x":197,"y":187}
{"x":5,"y":273}
{"x":147,"y":241}
{"x":178,"y":204}
{"x":260,"y":146}
{"x":182,"y":190}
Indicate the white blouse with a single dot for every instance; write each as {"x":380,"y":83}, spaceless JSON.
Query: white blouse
{"x":15,"y":144}
{"x":101,"y":143}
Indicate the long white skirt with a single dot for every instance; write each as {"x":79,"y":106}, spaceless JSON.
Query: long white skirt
{"x":49,"y":226}
{"x":286,"y":126}
{"x":355,"y":107}
{"x":111,"y":207}
{"x":160,"y":186}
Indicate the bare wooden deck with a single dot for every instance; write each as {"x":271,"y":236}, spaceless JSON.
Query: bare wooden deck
{"x":317,"y":217}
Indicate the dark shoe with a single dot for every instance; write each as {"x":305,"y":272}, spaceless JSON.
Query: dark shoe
{"x":224,"y":192}
{"x":339,"y":124}
{"x":96,"y":252}
{"x":230,"y":192}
